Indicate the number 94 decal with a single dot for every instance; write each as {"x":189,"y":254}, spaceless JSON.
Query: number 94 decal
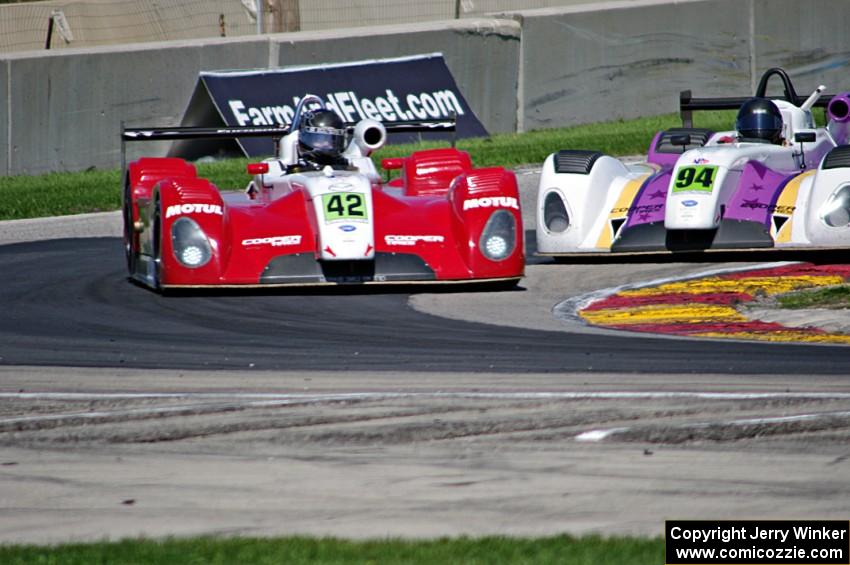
{"x":344,"y":206}
{"x":698,"y":178}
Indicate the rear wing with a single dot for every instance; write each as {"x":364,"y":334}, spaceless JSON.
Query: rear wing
{"x":415,"y":126}
{"x":688,"y":104}
{"x":275,"y":132}
{"x":225,"y":132}
{"x":178,"y":133}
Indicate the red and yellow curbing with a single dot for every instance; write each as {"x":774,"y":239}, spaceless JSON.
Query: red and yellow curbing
{"x":706,"y":307}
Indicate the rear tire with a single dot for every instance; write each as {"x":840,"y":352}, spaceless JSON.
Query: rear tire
{"x":498,"y":286}
{"x":130,"y":238}
{"x":157,"y":243}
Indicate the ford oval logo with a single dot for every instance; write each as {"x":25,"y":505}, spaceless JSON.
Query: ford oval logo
{"x":342,"y":186}
{"x":689,"y":203}
{"x":347,"y":228}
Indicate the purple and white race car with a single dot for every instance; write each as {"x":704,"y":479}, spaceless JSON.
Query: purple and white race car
{"x":776,"y":181}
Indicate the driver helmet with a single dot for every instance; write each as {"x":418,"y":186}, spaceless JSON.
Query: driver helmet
{"x":759,"y":119}
{"x":321,"y":135}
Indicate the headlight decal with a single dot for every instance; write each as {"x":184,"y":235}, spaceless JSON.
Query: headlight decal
{"x":836,"y":210}
{"x":555,"y":216}
{"x":191,"y":246}
{"x":498,"y":240}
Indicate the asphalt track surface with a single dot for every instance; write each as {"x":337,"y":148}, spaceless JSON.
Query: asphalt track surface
{"x":68,"y":303}
{"x":357,"y":414}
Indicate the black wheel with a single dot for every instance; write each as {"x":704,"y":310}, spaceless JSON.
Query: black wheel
{"x":498,"y":286}
{"x":508,"y":285}
{"x":130,"y":238}
{"x":157,"y":243}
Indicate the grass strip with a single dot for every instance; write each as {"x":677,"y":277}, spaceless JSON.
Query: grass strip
{"x":59,"y":194}
{"x":589,"y":550}
{"x":832,"y":297}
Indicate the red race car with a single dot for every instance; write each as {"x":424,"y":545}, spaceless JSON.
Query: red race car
{"x":319,"y":213}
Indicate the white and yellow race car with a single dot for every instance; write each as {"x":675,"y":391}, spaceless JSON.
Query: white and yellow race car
{"x":776,"y":181}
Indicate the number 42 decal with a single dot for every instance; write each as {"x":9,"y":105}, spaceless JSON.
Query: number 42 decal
{"x":695,"y":179}
{"x":344,"y":206}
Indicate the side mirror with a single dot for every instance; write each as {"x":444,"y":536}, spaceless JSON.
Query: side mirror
{"x":392,"y":163}
{"x":804,"y":137}
{"x":257,"y":168}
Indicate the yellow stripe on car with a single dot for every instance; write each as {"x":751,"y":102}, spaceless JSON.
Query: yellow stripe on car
{"x":624,"y":202}
{"x":787,"y":201}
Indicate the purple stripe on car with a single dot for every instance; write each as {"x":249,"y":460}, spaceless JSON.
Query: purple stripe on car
{"x":648,"y":205}
{"x":662,"y":159}
{"x":758,"y":190}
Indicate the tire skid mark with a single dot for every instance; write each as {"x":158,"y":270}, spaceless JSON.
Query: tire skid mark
{"x":383,"y":417}
{"x":75,"y":418}
{"x":746,"y":427}
{"x":127,"y":415}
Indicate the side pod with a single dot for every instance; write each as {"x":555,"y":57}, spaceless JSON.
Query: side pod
{"x":574,"y":191}
{"x":488,"y":221}
{"x":828,"y":214}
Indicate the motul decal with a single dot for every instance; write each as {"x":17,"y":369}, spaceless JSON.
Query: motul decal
{"x":491,"y":202}
{"x":178,"y":209}
{"x":412,"y":239}
{"x":274,"y":241}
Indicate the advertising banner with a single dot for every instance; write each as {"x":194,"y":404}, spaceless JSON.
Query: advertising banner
{"x":387,"y":90}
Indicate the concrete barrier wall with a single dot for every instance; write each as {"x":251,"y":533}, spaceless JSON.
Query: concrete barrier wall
{"x":811,"y":40}
{"x":483,"y":56}
{"x":622,"y":60}
{"x":524,"y":70}
{"x":597,"y":62}
{"x":5,"y":112}
{"x":62,"y":110}
{"x":66,"y":108}
{"x":98,"y":23}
